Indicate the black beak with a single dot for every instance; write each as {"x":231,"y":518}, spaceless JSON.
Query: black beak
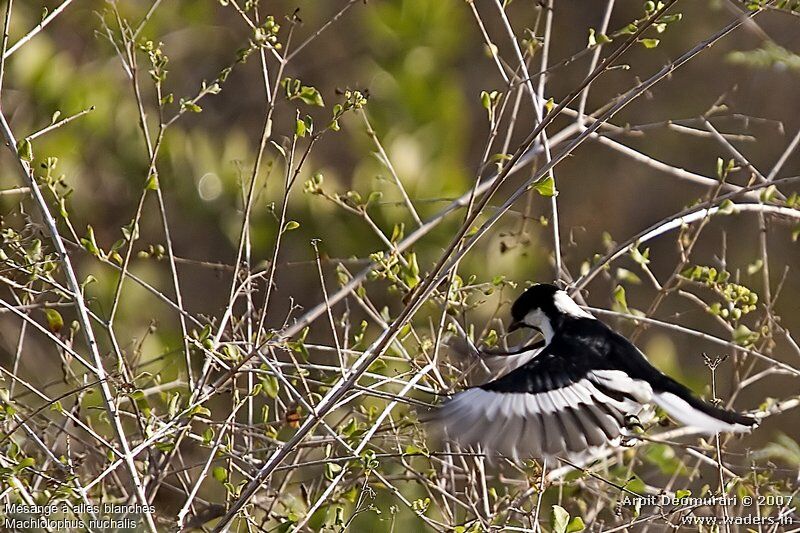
{"x":515,"y":326}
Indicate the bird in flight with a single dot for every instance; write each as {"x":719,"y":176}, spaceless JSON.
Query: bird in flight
{"x":573,"y":393}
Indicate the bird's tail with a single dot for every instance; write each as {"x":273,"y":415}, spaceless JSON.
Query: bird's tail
{"x":683,"y":406}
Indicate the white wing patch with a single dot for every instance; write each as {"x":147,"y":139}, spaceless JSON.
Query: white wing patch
{"x":680,"y":410}
{"x":565,"y":421}
{"x":621,"y":382}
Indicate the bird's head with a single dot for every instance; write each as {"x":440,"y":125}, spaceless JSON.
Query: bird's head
{"x":543,"y":307}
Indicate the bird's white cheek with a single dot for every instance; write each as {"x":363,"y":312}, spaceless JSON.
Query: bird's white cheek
{"x":538,"y":320}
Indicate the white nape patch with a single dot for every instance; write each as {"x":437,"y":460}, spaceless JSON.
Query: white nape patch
{"x":680,"y":410}
{"x":539,"y":320}
{"x":567,"y":305}
{"x":618,"y":380}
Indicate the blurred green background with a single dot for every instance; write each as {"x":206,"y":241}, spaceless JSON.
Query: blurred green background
{"x":423,"y":65}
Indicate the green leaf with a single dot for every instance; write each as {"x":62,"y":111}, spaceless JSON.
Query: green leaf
{"x":25,"y":150}
{"x":90,"y":243}
{"x":331,"y":470}
{"x":576,"y":524}
{"x":130,"y":231}
{"x":500,"y":158}
{"x":414,"y":450}
{"x":351,"y":427}
{"x":649,"y":43}
{"x":744,"y":336}
{"x":411,"y":274}
{"x":200,"y":410}
{"x":165,"y":446}
{"x":220,"y":474}
{"x":602,"y":38}
{"x":290,"y":226}
{"x":54,"y":320}
{"x":172,"y":404}
{"x":560,"y":519}
{"x":546,"y":186}
{"x":641,"y":258}
{"x":623,"y":274}
{"x":668,"y":19}
{"x":311,"y":96}
{"x":725,"y":208}
{"x":137,"y":394}
{"x":397,"y":232}
{"x":191,"y":107}
{"x":755,"y":267}
{"x":720,"y":168}
{"x":620,"y":299}
{"x":270,"y":384}
{"x":27,"y":462}
{"x":665,"y":458}
{"x":300,"y":128}
{"x":152,"y":182}
{"x":486,"y":100}
{"x":768,"y":194}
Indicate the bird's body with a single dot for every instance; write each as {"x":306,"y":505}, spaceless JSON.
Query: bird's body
{"x":573,"y":394}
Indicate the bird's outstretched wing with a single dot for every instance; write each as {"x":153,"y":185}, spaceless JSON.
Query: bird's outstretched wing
{"x":573,"y":396}
{"x":550,"y":406}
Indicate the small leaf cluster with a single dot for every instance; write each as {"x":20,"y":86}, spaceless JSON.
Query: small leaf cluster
{"x":20,"y":462}
{"x":660,"y":26}
{"x":295,"y":90}
{"x":353,"y":100}
{"x":793,"y":6}
{"x":352,"y":201}
{"x":267,"y":33}
{"x":26,"y":259}
{"x":562,"y":523}
{"x":490,"y":101}
{"x":130,"y":232}
{"x":158,"y":60}
{"x":313,"y":185}
{"x":298,"y":345}
{"x":738,"y":299}
{"x":788,"y":5}
{"x":56,"y":184}
{"x":388,"y":266}
{"x":154,"y":251}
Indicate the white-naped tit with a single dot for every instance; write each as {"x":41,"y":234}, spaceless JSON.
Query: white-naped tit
{"x":574,"y":393}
